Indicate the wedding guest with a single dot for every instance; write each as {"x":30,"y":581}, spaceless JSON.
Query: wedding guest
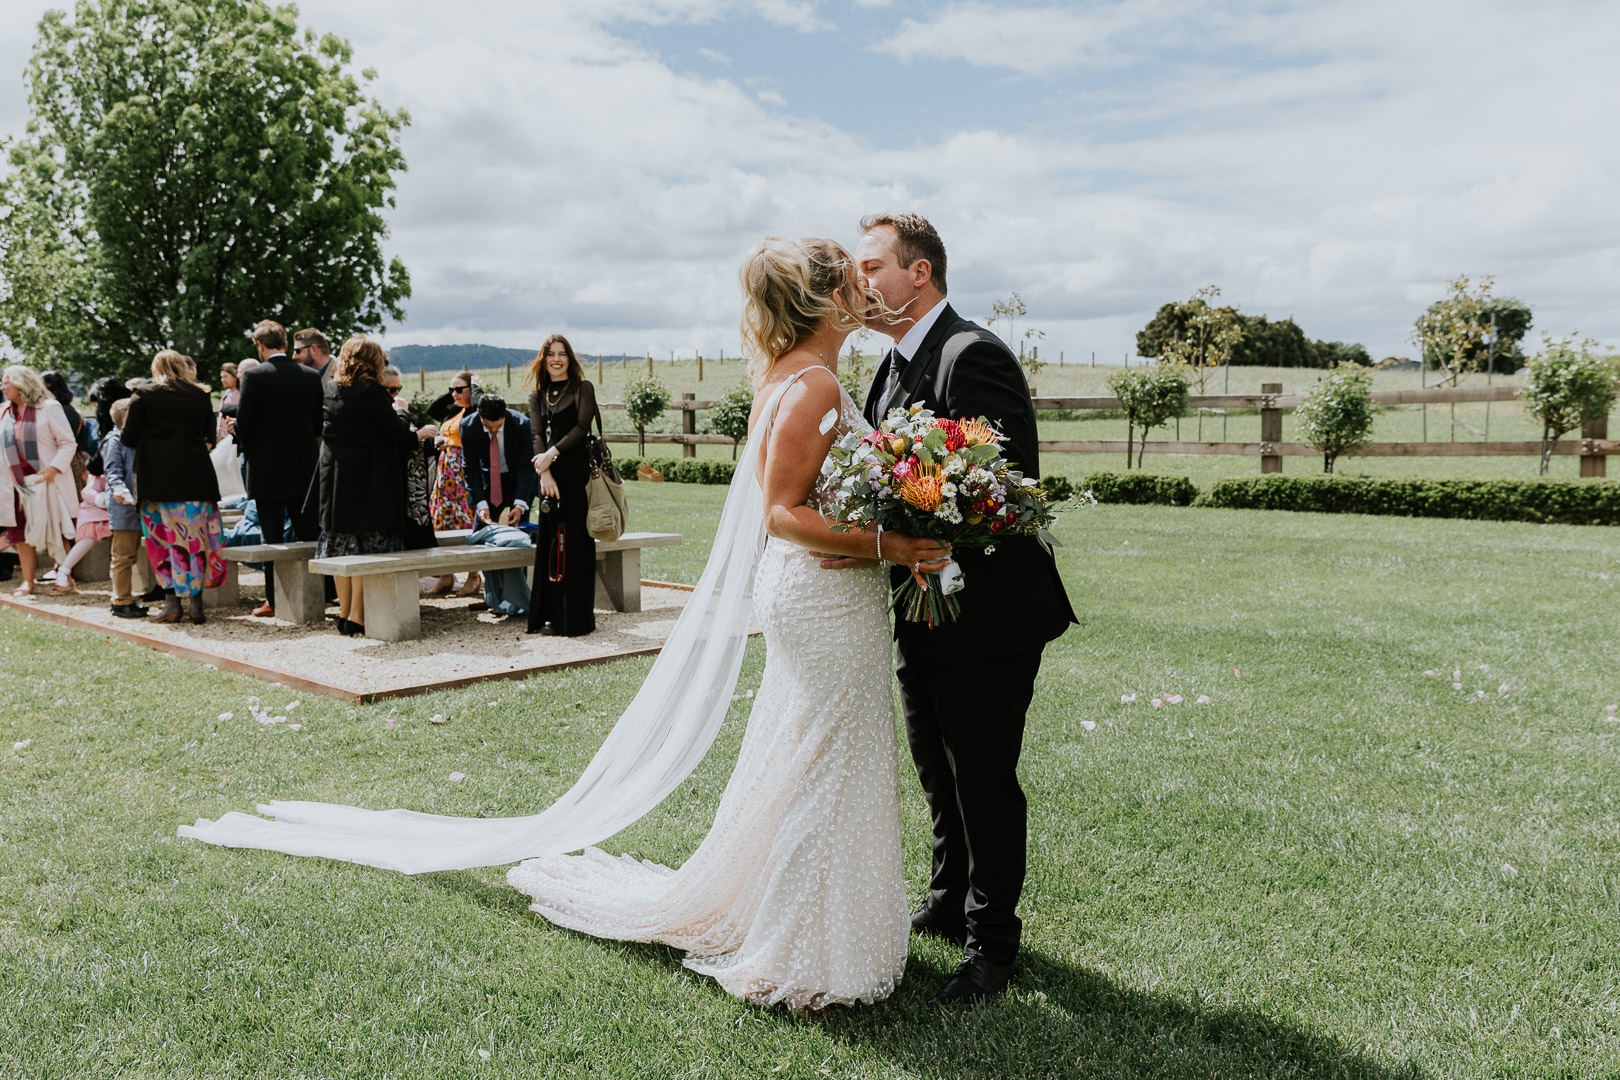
{"x":118,"y":463}
{"x":450,"y":507}
{"x":83,"y":437}
{"x":34,"y":438}
{"x":92,"y":527}
{"x":230,"y":394}
{"x":311,"y":349}
{"x":563,"y":597}
{"x":419,"y":531}
{"x":102,"y":393}
{"x":361,"y":476}
{"x":501,"y":481}
{"x":169,"y":425}
{"x":278,"y":425}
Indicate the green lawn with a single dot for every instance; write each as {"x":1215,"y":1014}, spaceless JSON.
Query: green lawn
{"x":1338,"y":867}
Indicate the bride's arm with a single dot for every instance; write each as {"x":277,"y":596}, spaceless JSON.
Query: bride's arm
{"x":794,"y":451}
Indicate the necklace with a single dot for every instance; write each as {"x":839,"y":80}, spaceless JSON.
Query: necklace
{"x":552,"y":401}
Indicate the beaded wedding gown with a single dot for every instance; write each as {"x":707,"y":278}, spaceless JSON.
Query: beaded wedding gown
{"x":796,"y":895}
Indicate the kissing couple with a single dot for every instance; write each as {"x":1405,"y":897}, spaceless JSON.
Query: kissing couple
{"x":796,"y":896}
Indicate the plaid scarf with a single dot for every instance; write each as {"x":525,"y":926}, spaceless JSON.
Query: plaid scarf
{"x":17,"y":441}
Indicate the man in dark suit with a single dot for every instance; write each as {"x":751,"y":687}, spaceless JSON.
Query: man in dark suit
{"x":278,"y":427}
{"x":498,"y":446}
{"x":965,"y":731}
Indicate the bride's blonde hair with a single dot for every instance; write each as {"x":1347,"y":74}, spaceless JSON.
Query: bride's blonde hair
{"x":789,"y":287}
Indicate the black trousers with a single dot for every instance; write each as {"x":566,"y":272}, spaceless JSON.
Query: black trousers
{"x":966,"y":734}
{"x":271,"y":514}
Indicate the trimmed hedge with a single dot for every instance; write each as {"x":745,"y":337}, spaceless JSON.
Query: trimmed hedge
{"x":1137,"y":489}
{"x":1591,"y":502}
{"x":679,"y":470}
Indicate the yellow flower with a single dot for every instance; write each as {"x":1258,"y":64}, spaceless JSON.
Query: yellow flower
{"x":923,"y":488}
{"x":977,"y":433}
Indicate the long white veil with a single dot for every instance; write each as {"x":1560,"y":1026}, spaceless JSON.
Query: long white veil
{"x":660,"y":739}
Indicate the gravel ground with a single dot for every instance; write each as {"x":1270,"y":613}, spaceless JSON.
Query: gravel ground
{"x":457,"y":643}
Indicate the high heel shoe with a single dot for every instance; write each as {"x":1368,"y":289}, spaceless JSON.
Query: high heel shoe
{"x":350,"y":628}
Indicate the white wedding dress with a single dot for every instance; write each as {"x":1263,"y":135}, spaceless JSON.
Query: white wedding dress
{"x":796,"y":895}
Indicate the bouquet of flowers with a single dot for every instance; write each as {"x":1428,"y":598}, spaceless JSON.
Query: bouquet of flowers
{"x":939,"y":479}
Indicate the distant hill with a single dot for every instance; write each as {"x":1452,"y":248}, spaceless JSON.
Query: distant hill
{"x":458,"y":357}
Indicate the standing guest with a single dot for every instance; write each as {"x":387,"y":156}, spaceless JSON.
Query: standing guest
{"x":103,"y":392}
{"x":418,"y":466}
{"x":230,"y":394}
{"x":278,"y":425}
{"x":563,"y":600}
{"x":311,"y":349}
{"x":170,"y":425}
{"x":449,"y":504}
{"x":118,"y":463}
{"x":361,"y":489}
{"x":83,"y":437}
{"x":34,"y":438}
{"x":501,"y":481}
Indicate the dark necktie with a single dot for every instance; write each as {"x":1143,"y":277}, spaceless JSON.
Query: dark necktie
{"x":891,"y":385}
{"x":495,"y":491}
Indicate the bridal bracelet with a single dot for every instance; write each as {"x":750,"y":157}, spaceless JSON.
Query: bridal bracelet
{"x":880,"y":543}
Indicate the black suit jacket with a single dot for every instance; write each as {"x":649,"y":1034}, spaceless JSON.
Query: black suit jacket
{"x":278,"y":423}
{"x":1014,"y":599}
{"x":520,"y":483}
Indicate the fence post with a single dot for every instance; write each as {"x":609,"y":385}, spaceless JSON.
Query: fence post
{"x":598,"y":369}
{"x":1270,"y":428}
{"x":508,"y":374}
{"x":1594,"y":464}
{"x":649,"y":365}
{"x":688,"y":426}
{"x":700,"y":367}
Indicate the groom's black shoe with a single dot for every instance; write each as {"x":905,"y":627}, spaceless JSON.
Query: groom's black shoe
{"x":926,"y":922}
{"x":975,"y":980}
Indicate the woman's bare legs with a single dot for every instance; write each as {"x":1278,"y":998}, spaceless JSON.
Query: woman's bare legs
{"x":28,"y":561}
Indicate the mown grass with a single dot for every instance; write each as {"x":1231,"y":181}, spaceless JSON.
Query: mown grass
{"x":1307,"y":877}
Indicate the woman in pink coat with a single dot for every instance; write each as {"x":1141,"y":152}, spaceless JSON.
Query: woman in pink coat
{"x":34,"y":438}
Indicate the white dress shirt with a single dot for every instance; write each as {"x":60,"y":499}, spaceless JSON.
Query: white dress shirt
{"x":908,"y":345}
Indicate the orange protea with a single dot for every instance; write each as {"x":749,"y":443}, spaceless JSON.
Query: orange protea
{"x":924,"y":487}
{"x":979,"y":432}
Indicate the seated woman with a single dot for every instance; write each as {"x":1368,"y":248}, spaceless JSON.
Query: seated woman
{"x":360,"y":478}
{"x":170,"y":426}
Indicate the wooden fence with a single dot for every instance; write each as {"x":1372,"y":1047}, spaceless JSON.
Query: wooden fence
{"x":1593,"y":447}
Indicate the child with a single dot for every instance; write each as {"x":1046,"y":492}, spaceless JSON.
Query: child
{"x":118,"y":462}
{"x":93,"y":527}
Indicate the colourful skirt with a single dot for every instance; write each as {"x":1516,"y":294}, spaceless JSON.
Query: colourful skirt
{"x":183,"y":541}
{"x":449,"y":505}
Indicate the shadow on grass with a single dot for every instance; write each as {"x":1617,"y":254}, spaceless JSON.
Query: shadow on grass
{"x":1062,"y":1020}
{"x":1058,"y":1020}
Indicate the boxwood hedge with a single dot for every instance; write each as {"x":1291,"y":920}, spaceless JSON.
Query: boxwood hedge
{"x":1588,"y":502}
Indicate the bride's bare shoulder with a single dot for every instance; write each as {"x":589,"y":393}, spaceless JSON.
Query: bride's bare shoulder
{"x":814,"y":392}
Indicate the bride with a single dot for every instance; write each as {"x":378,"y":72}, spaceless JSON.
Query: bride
{"x":795,"y":896}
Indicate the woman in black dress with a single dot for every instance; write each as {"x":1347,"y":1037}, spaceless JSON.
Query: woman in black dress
{"x":359,"y":490}
{"x":563,"y":600}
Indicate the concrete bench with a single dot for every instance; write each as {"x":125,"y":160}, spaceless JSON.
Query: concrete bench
{"x":392,"y":594}
{"x":300,"y":598}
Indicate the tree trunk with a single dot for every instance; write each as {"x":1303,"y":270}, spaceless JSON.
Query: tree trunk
{"x":1327,"y":463}
{"x":1141,"y":448}
{"x":1130,"y":437}
{"x":734,"y":449}
{"x":1546,"y":447}
{"x":641,"y":442}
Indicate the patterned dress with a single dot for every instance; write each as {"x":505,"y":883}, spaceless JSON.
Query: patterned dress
{"x":183,"y":541}
{"x":450,"y":506}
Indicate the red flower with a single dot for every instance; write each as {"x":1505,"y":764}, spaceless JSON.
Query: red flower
{"x":980,"y":506}
{"x":997,"y":525}
{"x":954,"y":438}
{"x":1012,"y":516}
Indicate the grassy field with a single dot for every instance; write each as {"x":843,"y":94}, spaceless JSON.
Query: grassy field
{"x":1502,"y":421}
{"x":1339,"y":867}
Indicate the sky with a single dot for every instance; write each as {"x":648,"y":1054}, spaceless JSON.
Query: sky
{"x":602,"y":168}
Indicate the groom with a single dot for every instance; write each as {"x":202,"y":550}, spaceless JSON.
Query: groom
{"x":965,"y":686}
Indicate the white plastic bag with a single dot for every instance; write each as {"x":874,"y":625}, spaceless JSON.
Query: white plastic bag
{"x":228,"y":468}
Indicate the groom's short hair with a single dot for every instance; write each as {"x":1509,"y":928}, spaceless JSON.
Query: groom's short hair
{"x":915,"y":239}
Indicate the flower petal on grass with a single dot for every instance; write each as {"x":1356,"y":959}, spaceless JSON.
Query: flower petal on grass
{"x":291,"y":705}
{"x":61,"y":701}
{"x":1456,"y":686}
{"x":1431,"y":673}
{"x":1126,"y":699}
{"x":1172,"y":699}
{"x":22,"y":744}
{"x":1157,"y":704}
{"x":1509,"y":871}
{"x":437,"y":718}
{"x":1089,"y":725}
{"x":1611,"y":709}
{"x":1203,"y":699}
{"x":1504,"y":688}
{"x":457,"y":777}
{"x":295,"y":727}
{"x":225,"y":716}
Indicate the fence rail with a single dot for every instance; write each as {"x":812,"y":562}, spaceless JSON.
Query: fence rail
{"x":1593,"y":447}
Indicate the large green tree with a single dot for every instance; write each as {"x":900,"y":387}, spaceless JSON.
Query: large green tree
{"x":1263,"y":343}
{"x":1455,"y":332}
{"x":191,"y":167}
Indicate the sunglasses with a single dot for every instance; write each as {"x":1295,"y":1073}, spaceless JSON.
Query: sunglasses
{"x":393,"y":391}
{"x":454,"y":389}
